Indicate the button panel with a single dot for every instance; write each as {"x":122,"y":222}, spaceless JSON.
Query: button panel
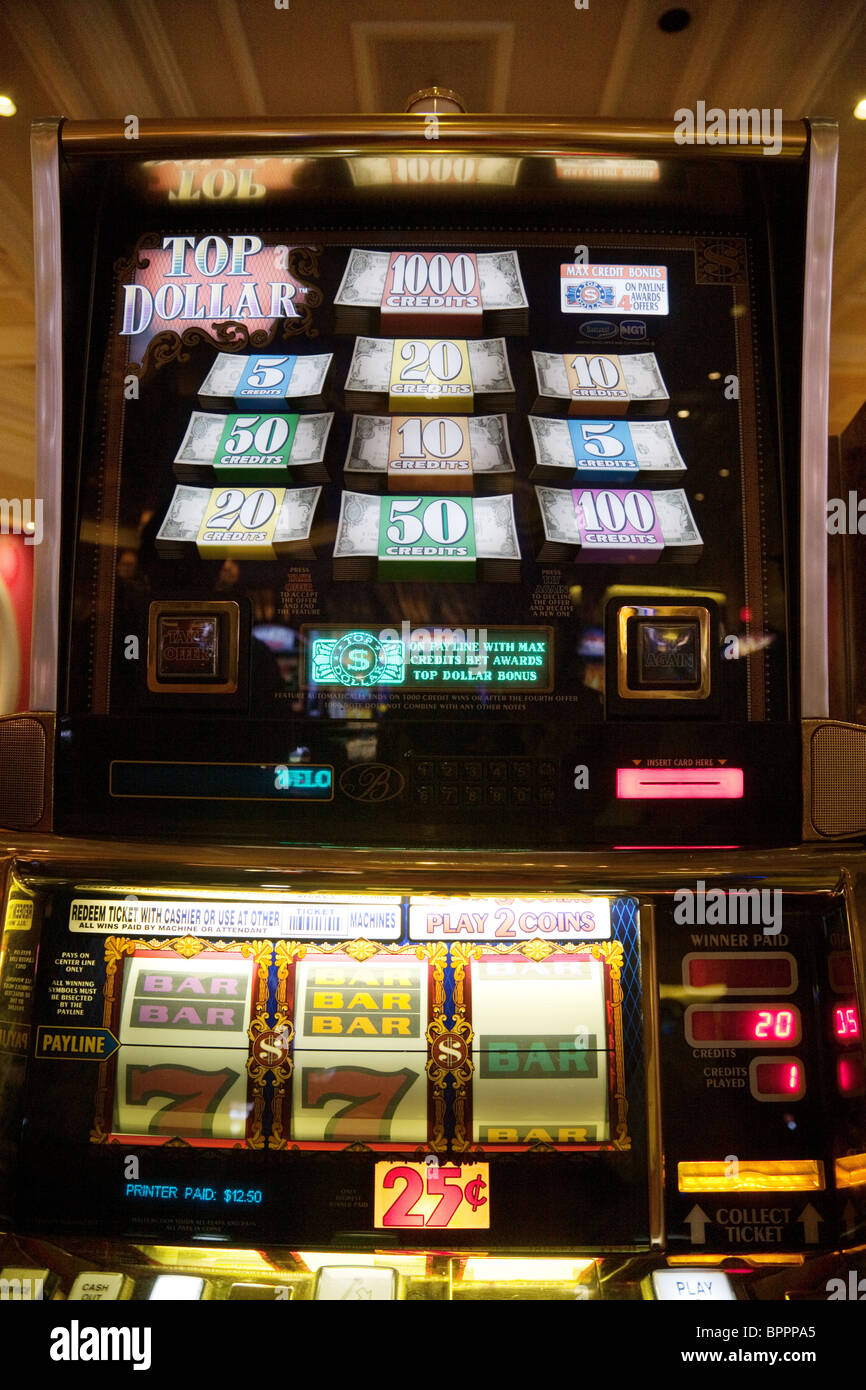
{"x":485,"y":782}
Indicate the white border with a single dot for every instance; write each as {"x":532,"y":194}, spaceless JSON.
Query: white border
{"x":814,"y":419}
{"x":45,"y":632}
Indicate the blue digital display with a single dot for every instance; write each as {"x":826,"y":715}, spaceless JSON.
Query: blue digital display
{"x":224,"y":781}
{"x":213,"y":1196}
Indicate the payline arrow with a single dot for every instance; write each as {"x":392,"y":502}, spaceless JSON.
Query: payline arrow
{"x":70,"y":1042}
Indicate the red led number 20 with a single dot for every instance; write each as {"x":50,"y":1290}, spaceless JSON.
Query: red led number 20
{"x":774,"y":1024}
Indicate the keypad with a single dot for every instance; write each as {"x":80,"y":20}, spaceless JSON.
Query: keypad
{"x":485,"y":782}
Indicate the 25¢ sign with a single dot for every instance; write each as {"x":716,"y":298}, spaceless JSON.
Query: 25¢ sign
{"x":416,"y":1196}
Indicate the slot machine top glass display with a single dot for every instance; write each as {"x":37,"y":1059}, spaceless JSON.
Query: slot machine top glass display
{"x":430,"y":707}
{"x":435,"y":511}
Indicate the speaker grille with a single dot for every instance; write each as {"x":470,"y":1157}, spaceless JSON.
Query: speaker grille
{"x":22,"y":773}
{"x":838,"y":760}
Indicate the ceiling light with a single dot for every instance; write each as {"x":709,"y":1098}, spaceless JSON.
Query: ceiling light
{"x":7,"y":106}
{"x":860,"y":109}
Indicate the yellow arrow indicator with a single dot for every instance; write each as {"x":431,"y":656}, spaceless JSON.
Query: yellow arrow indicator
{"x":81,"y":1044}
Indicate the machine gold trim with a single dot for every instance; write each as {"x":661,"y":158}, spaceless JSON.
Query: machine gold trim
{"x":334,"y":135}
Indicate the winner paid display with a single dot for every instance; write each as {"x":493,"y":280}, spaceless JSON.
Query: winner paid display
{"x":425,"y":846}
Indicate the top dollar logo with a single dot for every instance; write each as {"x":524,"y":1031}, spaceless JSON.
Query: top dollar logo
{"x":589,"y":294}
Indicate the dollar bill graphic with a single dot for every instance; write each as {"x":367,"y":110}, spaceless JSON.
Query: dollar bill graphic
{"x":369,"y":444}
{"x":497,"y":545}
{"x":682,"y":539}
{"x":307,"y":376}
{"x":370,"y":368}
{"x":654,"y":446}
{"x":499,"y":276}
{"x":640,"y":371}
{"x":205,"y":430}
{"x":190,"y":505}
{"x":358,"y":525}
{"x":495,"y":527}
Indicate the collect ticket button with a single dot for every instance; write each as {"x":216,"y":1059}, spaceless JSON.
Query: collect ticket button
{"x":95,"y":1286}
{"x":690,"y":1286}
{"x":346,"y":1283}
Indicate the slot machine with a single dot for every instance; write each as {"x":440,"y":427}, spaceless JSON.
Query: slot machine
{"x":432,"y":862}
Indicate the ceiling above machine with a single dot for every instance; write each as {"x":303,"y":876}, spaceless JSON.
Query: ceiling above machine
{"x":214,"y":58}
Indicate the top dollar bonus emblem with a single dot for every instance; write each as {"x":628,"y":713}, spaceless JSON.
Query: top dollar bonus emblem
{"x":356,"y":659}
{"x":613,"y":289}
{"x":588,"y":294}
